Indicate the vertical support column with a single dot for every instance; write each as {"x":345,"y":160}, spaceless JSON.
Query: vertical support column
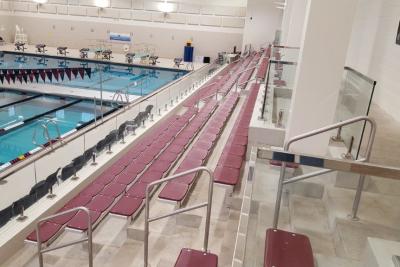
{"x":328,"y":27}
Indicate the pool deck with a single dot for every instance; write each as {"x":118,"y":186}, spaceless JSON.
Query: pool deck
{"x":70,"y":91}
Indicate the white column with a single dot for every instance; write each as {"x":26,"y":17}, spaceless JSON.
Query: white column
{"x":319,"y":72}
{"x":296,"y":24}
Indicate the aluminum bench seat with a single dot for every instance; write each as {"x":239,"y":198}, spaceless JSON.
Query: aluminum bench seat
{"x":92,"y":189}
{"x":195,"y":258}
{"x":286,"y":249}
{"x":151,"y":176}
{"x":113,"y":190}
{"x":174,"y":191}
{"x":137,"y":190}
{"x":127,"y":206}
{"x":47,"y":231}
{"x":79,"y":221}
{"x":226,"y":175}
{"x":100,"y":203}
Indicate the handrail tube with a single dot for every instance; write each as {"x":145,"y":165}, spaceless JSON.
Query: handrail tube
{"x":265,"y":93}
{"x":134,"y":103}
{"x":88,"y":239}
{"x":316,"y":132}
{"x":208,"y":204}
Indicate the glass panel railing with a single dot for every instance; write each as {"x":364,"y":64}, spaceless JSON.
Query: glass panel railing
{"x":318,"y":206}
{"x":355,"y":98}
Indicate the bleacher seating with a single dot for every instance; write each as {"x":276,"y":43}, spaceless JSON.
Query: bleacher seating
{"x":119,"y":190}
{"x":286,"y":249}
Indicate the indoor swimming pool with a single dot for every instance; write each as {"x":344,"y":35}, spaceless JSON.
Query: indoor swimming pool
{"x":24,"y":121}
{"x":109,"y":77}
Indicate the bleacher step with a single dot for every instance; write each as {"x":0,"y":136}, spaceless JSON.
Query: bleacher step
{"x":322,"y":260}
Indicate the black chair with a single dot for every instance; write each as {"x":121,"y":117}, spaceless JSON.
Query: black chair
{"x":78,"y":162}
{"x":52,"y":179}
{"x":111,"y":137}
{"x":149,"y":108}
{"x":88,"y":154}
{"x":5,"y":215}
{"x":39,"y":190}
{"x":67,"y":172}
{"x":121,"y":131}
{"x":22,"y":204}
{"x":100,"y":145}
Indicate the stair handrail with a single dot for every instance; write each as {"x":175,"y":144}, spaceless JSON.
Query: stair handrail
{"x":207,"y":204}
{"x":325,"y":129}
{"x":53,"y":122}
{"x":45,"y":135}
{"x":41,"y":250}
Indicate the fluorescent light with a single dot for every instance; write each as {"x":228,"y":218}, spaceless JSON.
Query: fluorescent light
{"x":102,"y":3}
{"x":40,"y":1}
{"x":166,"y":7}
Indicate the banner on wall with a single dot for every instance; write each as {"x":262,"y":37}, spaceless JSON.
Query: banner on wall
{"x":49,"y":75}
{"x":120,"y":37}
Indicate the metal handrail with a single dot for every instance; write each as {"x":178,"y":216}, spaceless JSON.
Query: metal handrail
{"x":317,"y":132}
{"x":240,"y":74}
{"x":207,"y":204}
{"x":45,"y":135}
{"x":6,"y":173}
{"x":53,"y":122}
{"x":88,"y":238}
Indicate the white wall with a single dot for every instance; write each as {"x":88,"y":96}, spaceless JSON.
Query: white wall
{"x":374,"y":52}
{"x":262,"y":21}
{"x":5,"y":26}
{"x":214,"y":25}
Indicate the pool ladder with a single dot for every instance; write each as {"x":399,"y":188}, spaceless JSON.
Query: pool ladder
{"x":46,"y":135}
{"x":121,"y":97}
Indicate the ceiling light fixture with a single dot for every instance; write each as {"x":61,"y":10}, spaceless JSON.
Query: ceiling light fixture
{"x":166,"y":7}
{"x":40,"y":1}
{"x":102,"y":3}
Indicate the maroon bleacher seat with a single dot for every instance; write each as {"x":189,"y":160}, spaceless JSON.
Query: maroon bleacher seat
{"x":47,"y":231}
{"x":127,"y":206}
{"x":134,"y":168}
{"x":175,"y":148}
{"x":145,"y":158}
{"x":230,"y":160}
{"x":113,"y":190}
{"x":92,"y":189}
{"x":104,"y":178}
{"x":79,"y":200}
{"x":194,"y":258}
{"x":237,"y":150}
{"x":100,"y":203}
{"x":160,"y":166}
{"x":197,"y":153}
{"x":174,"y":191}
{"x":168,"y":156}
{"x":125,"y":178}
{"x":137,"y":190}
{"x":226,"y":175}
{"x":151,"y":176}
{"x":292,"y":165}
{"x":79,"y":221}
{"x":286,"y":249}
{"x":63,"y":219}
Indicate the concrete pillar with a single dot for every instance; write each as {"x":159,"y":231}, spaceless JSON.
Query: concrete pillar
{"x":322,"y":57}
{"x":297,"y":19}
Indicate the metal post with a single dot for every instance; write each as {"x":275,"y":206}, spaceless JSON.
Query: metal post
{"x":101,"y":92}
{"x":207,"y":204}
{"x":316,"y":132}
{"x":338,"y":137}
{"x":51,"y":195}
{"x":109,"y":149}
{"x":94,"y":163}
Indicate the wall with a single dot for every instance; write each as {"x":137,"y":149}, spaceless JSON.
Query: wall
{"x":293,"y":22}
{"x":262,"y":21}
{"x":373,"y":50}
{"x":220,"y":21}
{"x":5,"y":26}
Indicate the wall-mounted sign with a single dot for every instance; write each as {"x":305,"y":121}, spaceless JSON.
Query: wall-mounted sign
{"x":398,"y":35}
{"x":120,"y":37}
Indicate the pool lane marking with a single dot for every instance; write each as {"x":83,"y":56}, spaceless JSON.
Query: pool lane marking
{"x":21,"y":101}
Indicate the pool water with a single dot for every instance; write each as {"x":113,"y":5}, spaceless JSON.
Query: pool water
{"x":67,"y":114}
{"x":110,"y":77}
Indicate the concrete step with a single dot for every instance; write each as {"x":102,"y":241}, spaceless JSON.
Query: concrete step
{"x":322,"y":260}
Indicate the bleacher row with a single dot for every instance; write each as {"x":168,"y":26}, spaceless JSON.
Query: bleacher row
{"x":112,"y":191}
{"x":234,"y":152}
